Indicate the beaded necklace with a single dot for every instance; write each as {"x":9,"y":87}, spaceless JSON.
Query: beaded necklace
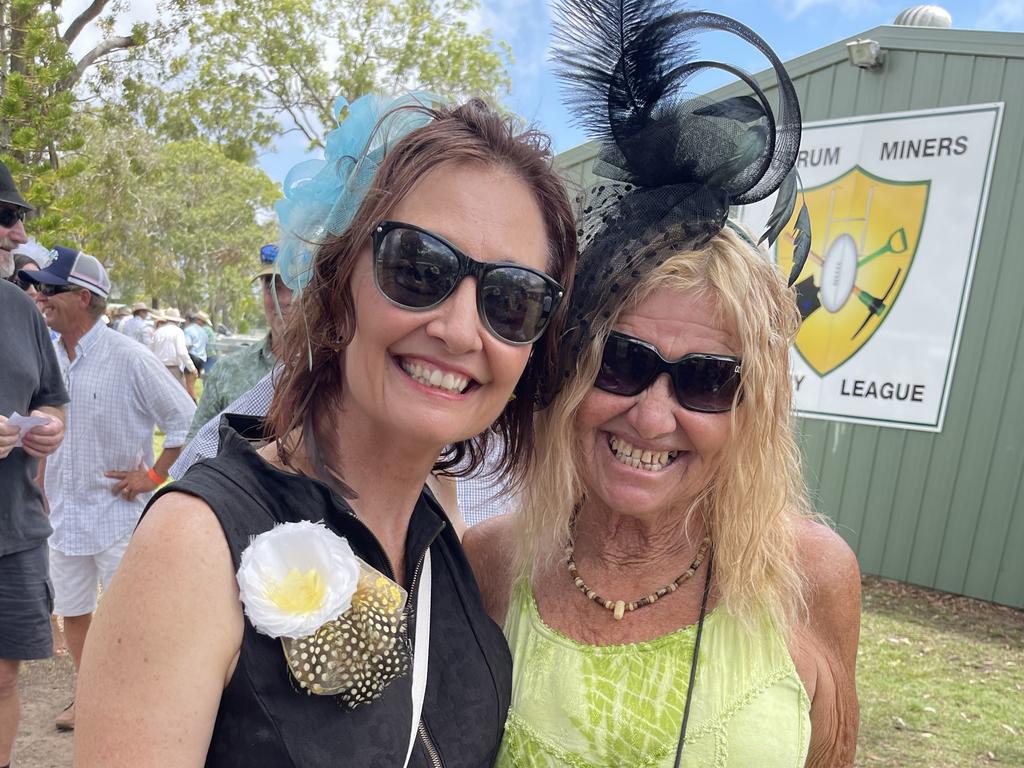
{"x":620,"y":607}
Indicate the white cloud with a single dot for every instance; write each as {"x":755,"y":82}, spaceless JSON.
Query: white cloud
{"x":1005,"y":14}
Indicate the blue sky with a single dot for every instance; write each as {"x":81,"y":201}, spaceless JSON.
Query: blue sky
{"x":792,"y":28}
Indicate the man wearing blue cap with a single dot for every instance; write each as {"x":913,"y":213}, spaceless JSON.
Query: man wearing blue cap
{"x":99,"y":480}
{"x":239,"y":372}
{"x":30,"y":385}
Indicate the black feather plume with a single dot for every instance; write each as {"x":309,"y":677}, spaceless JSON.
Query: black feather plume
{"x":616,"y":59}
{"x":670,"y":163}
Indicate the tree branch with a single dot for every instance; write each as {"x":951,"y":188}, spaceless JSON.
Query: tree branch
{"x":318,"y":103}
{"x":75,"y":28}
{"x":102,"y":48}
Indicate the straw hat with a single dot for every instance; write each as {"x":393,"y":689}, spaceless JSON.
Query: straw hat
{"x":172,"y":315}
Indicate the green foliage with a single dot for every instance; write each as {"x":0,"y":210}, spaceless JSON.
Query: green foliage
{"x":36,"y":109}
{"x":141,"y":149}
{"x":42,"y":85}
{"x":257,"y":67}
{"x":174,"y":222}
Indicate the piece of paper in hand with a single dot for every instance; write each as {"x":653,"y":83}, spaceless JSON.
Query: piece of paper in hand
{"x":24,"y":424}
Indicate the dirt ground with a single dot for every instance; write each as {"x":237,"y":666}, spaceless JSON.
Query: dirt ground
{"x":47,"y":687}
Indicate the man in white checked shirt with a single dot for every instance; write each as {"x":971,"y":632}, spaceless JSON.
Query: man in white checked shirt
{"x":100,"y":478}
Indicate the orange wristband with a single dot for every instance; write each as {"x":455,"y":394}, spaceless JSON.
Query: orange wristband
{"x":152,"y":475}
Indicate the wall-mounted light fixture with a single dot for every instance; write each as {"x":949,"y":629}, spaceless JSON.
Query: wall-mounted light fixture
{"x":865,"y":54}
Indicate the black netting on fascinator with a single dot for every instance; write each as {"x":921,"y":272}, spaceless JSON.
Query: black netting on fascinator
{"x":670,"y":165}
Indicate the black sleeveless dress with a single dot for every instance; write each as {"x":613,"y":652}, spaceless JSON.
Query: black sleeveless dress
{"x":265,"y":719}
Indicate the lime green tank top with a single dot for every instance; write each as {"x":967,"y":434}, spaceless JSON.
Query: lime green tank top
{"x":611,"y":706}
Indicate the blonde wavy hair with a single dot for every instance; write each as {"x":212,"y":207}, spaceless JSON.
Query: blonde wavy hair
{"x":756,"y":496}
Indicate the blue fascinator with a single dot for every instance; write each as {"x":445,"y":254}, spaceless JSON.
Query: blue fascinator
{"x":322,"y":196}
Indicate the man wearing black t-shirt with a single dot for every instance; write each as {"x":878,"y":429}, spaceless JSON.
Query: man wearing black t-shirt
{"x":30,"y":385}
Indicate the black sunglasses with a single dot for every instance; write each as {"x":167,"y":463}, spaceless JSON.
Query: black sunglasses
{"x":10,"y":216}
{"x":52,"y":290}
{"x":415,"y":269}
{"x":705,"y":383}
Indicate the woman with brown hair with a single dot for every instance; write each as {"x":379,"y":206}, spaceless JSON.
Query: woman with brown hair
{"x":425,"y":319}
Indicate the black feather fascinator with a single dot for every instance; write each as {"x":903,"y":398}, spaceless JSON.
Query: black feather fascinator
{"x":670,"y":165}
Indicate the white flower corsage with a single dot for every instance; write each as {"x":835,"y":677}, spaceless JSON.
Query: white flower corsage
{"x":340,"y":621}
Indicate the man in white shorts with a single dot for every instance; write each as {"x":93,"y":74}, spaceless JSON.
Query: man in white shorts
{"x":99,"y":480}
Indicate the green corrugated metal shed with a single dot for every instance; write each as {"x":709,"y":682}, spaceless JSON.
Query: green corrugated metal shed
{"x":944,"y":510}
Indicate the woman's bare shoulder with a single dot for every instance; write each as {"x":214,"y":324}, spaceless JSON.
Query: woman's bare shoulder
{"x":179,"y":552}
{"x":828,"y":648}
{"x":180,"y":546}
{"x":179,"y":513}
{"x":491,"y":547}
{"x":829,"y":567}
{"x":162,"y":645}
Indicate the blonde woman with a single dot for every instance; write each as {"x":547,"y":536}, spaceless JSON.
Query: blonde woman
{"x":638,"y":473}
{"x":671,"y":598}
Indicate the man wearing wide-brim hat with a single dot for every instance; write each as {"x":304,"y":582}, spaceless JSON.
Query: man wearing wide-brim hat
{"x":121,"y":316}
{"x":140,"y":325}
{"x":197,"y":340}
{"x":170,"y":347}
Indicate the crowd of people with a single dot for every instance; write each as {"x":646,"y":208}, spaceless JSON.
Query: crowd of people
{"x":644,"y":582}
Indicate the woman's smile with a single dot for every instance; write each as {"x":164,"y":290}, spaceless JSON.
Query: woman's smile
{"x":637,"y":457}
{"x":437,"y":377}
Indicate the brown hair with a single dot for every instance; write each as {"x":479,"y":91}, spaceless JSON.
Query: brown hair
{"x":319,"y":332}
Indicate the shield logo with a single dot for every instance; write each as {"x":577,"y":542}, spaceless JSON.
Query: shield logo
{"x":864,"y":234}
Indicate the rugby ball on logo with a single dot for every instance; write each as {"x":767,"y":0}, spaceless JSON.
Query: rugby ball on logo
{"x":838,"y":273}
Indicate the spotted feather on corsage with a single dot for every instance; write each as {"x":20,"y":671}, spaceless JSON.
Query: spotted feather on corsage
{"x":341,"y":623}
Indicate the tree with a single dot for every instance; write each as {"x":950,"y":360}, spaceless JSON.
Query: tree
{"x":177,"y":222}
{"x":204,"y":207}
{"x":43,"y":87}
{"x":255,"y":68}
{"x":141,"y":149}
{"x":41,"y":82}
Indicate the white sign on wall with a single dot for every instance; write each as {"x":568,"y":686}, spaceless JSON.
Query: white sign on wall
{"x":896,"y":204}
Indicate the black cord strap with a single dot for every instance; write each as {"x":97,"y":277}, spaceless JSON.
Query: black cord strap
{"x":693,"y":662}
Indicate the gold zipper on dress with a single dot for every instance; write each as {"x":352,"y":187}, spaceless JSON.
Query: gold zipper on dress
{"x":428,"y":744}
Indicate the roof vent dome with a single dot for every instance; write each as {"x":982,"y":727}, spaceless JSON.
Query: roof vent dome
{"x":925,"y":16}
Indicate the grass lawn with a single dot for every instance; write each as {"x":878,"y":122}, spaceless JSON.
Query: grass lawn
{"x":940,"y":678}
